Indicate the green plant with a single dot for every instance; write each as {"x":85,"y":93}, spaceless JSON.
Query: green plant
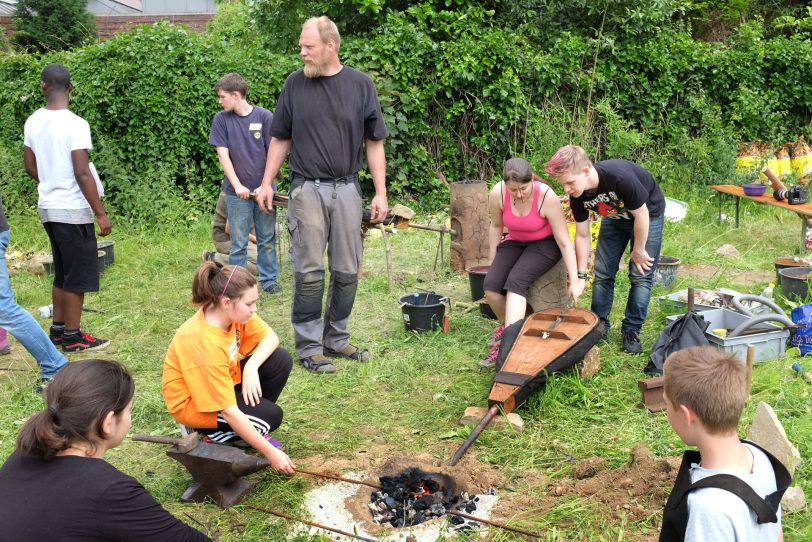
{"x":44,"y":25}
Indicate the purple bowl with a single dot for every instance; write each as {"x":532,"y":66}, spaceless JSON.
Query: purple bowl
{"x":754,"y":189}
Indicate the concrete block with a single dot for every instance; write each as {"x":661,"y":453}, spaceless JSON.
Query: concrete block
{"x":768,"y":433}
{"x":591,"y":363}
{"x":794,"y":500}
{"x":473,"y":415}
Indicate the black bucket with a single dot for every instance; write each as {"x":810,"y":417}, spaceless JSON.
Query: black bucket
{"x":784,"y":263}
{"x":476,"y":280}
{"x":795,"y":282}
{"x":108,"y":246}
{"x":102,"y":262}
{"x":423,"y":311}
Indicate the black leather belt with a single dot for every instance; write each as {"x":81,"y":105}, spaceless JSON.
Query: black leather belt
{"x":340,"y":180}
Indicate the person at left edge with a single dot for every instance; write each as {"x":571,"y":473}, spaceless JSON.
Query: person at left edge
{"x":241,"y":134}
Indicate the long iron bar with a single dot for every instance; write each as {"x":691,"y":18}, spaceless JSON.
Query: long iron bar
{"x":483,"y":423}
{"x":339,"y":478}
{"x":493,"y":524}
{"x":451,"y":512}
{"x":312,"y":524}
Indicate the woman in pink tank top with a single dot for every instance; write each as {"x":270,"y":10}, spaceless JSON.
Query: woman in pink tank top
{"x":536,"y":239}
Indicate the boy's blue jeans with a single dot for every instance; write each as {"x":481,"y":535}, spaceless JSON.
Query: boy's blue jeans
{"x":614,"y":237}
{"x":241,"y":213}
{"x":22,"y":325}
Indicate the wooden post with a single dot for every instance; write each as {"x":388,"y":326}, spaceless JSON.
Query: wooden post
{"x":469,"y":224}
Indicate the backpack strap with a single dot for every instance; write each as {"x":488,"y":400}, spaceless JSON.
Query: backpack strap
{"x":764,"y":509}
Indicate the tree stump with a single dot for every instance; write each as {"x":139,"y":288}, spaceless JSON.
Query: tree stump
{"x":470,"y":222}
{"x":550,"y":289}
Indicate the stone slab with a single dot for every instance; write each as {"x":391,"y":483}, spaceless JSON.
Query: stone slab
{"x":794,"y":500}
{"x":591,"y":363}
{"x":473,"y":415}
{"x":767,"y":432}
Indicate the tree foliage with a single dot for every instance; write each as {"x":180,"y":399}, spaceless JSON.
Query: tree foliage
{"x":461,"y":87}
{"x":45,"y":25}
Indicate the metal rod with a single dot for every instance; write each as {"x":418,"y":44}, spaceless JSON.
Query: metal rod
{"x":388,"y":249}
{"x":486,"y":419}
{"x":312,"y":524}
{"x":339,"y":478}
{"x":156,"y":439}
{"x":493,"y":524}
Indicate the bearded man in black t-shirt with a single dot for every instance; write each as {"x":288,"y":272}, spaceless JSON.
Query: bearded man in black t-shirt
{"x":632,"y":206}
{"x":326,"y":116}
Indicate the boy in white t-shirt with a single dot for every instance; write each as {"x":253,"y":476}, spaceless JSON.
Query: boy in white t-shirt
{"x":56,"y":155}
{"x":731,"y":489}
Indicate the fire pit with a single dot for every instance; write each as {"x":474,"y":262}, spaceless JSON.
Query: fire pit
{"x":415,"y":496}
{"x":413,"y":502}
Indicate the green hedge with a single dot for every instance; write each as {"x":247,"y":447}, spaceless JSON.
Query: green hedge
{"x":461,"y":91}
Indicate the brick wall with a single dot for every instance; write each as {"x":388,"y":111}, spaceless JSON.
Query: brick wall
{"x":109,"y":25}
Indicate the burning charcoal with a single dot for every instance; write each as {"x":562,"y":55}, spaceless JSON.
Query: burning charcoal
{"x":397,"y":523}
{"x":418,"y":518}
{"x":431,"y":486}
{"x":390,"y":502}
{"x":437,"y":498}
{"x":424,"y":502}
{"x":456,"y":520}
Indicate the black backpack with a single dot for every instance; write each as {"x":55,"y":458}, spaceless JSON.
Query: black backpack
{"x":687,"y":330}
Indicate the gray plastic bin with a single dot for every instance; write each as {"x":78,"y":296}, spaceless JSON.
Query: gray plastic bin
{"x":770,"y":341}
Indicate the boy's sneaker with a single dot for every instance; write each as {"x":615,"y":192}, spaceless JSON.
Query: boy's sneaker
{"x":272,"y":289}
{"x":55,"y":334}
{"x":82,"y":342}
{"x":631,"y":342}
{"x":42,"y":384}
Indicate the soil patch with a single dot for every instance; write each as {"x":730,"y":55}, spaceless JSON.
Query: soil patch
{"x":738,"y":277}
{"x":629,"y":493}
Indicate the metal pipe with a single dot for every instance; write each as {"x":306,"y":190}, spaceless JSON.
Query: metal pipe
{"x":312,"y":524}
{"x":483,"y":423}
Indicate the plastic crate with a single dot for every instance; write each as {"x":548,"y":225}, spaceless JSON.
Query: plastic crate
{"x":770,"y":342}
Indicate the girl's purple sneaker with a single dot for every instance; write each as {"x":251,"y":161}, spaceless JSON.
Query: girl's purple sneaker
{"x":273,"y":442}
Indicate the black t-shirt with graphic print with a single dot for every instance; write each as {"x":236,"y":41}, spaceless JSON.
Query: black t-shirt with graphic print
{"x":623,"y":186}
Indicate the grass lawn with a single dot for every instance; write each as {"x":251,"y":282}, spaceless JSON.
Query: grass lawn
{"x":407,"y":401}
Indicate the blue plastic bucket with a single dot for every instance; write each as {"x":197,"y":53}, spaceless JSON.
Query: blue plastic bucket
{"x":423,"y":311}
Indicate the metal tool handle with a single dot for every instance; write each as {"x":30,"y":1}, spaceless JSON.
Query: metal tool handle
{"x":156,"y":439}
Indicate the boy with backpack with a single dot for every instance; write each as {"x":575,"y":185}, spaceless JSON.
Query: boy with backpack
{"x":730,"y":489}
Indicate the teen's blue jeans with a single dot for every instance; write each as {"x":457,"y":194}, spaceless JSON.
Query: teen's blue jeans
{"x":614,"y":237}
{"x":241,"y":213}
{"x":22,"y":325}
